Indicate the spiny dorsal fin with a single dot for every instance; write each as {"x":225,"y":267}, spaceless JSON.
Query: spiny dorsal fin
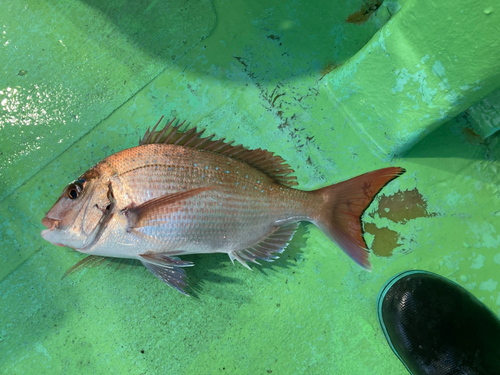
{"x":263,"y":160}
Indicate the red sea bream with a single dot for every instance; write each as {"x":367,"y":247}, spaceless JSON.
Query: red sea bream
{"x":178,"y":193}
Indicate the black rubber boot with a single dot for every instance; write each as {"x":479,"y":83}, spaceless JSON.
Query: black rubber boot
{"x":435,"y":326}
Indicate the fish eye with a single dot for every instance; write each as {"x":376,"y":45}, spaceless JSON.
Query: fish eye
{"x":73,"y":192}
{"x":75,"y":189}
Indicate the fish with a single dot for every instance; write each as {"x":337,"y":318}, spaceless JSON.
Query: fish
{"x":179,"y":193}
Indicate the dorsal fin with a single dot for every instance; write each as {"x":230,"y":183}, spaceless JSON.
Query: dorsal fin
{"x":263,"y":160}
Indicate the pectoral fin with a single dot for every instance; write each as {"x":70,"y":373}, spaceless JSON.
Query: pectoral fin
{"x":167,"y":269}
{"x":155,"y":211}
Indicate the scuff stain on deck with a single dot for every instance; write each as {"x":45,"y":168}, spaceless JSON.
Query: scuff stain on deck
{"x":364,"y":14}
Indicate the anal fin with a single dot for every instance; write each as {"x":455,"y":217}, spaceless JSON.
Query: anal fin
{"x":167,"y":269}
{"x":272,"y":244}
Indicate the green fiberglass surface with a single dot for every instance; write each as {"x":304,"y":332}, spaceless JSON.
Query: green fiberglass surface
{"x":335,"y":88}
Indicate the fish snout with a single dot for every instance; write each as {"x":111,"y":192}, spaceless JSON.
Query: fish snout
{"x":51,"y":224}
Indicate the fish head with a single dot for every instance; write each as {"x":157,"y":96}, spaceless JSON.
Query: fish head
{"x":80,"y":211}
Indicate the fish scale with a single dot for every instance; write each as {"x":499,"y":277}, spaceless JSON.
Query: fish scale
{"x":178,"y":193}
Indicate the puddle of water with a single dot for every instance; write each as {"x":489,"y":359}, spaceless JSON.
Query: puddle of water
{"x":399,"y":208}
{"x":385,"y":240}
{"x":403,"y":206}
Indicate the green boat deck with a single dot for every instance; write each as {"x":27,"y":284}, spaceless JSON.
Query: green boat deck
{"x":335,"y":88}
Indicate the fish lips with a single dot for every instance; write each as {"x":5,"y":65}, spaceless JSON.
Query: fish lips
{"x":51,"y":225}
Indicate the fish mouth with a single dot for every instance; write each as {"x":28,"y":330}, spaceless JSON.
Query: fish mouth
{"x":45,"y":233}
{"x":51,"y":224}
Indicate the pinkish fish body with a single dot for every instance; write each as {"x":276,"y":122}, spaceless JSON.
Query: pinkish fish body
{"x":179,"y":194}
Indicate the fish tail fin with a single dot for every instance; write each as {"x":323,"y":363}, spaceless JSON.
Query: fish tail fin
{"x":344,"y":204}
